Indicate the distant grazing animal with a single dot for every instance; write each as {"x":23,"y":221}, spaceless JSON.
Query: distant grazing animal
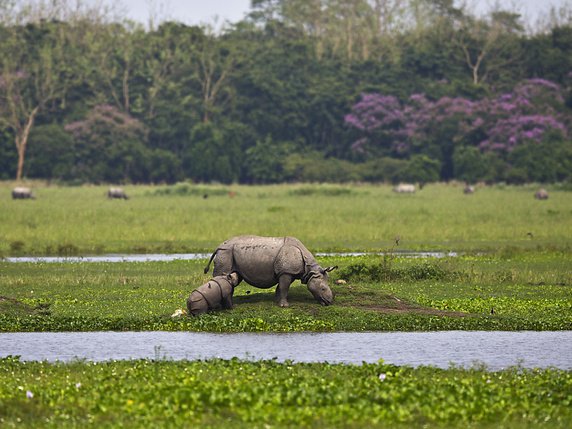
{"x":541,"y":194}
{"x":118,"y":193}
{"x":404,"y":188}
{"x":265,"y":261}
{"x":469,"y":190}
{"x":22,"y":193}
{"x":216,"y":293}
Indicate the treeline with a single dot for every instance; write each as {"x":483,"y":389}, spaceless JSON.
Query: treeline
{"x":300,"y":90}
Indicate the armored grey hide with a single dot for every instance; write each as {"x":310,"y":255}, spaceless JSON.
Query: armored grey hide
{"x":117,"y":193}
{"x":266,"y":261}
{"x":215,"y":294}
{"x":22,"y":193}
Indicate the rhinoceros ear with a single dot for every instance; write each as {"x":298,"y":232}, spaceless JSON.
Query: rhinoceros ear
{"x":327,"y":270}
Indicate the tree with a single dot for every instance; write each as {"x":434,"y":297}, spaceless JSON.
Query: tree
{"x":51,"y":153}
{"x":112,"y":62}
{"x":36,"y":67}
{"x":170,"y":100}
{"x":215,"y":65}
{"x":109,"y":146}
{"x":534,"y":108}
{"x":489,"y":45}
{"x":469,"y":164}
{"x":28,"y":80}
{"x":265,"y":161}
{"x":498,"y":123}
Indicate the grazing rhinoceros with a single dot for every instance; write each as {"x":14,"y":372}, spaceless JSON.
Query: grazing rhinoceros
{"x":469,"y":189}
{"x":265,"y":261}
{"x":541,"y":194}
{"x":117,"y":193}
{"x":404,"y":188}
{"x":22,"y":193}
{"x":214,"y":294}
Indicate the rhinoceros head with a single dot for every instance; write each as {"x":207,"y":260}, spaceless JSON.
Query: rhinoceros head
{"x":318,"y":284}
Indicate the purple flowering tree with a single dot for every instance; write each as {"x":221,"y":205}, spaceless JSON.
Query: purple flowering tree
{"x":380,"y":119}
{"x":534,"y":108}
{"x":525,"y":115}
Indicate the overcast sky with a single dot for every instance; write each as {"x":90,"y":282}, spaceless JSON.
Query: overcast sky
{"x":205,"y":11}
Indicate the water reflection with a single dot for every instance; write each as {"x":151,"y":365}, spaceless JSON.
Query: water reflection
{"x":164,"y":257}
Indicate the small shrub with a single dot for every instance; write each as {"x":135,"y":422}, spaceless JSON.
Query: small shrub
{"x":17,"y":246}
{"x":424,"y":271}
{"x":384,"y":271}
{"x":309,"y":191}
{"x":67,"y":249}
{"x":186,"y":189}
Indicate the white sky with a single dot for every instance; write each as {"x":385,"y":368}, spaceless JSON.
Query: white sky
{"x":205,"y":11}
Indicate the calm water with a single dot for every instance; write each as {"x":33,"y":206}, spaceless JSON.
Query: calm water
{"x":496,"y":350}
{"x":194,"y":256}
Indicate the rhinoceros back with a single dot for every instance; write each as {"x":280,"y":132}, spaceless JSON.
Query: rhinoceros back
{"x":260,"y":260}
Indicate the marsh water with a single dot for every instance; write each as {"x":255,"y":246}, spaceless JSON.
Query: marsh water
{"x":496,"y":350}
{"x":165,"y":257}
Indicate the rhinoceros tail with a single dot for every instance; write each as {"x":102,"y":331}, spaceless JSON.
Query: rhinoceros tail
{"x":207,"y":268}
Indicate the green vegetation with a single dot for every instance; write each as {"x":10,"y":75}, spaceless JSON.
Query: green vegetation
{"x":333,"y":91}
{"x":523,"y":281}
{"x":81,"y":220}
{"x":278,"y":98}
{"x":525,"y":292}
{"x":236,"y":393}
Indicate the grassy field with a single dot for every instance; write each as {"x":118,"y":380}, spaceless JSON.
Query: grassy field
{"x":81,"y":220}
{"x":529,"y":291}
{"x":267,"y":394}
{"x":522,"y":281}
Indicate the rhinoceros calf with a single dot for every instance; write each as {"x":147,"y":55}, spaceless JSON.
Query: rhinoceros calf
{"x":266,"y":261}
{"x":117,"y":193}
{"x":404,"y":188}
{"x":22,"y":193}
{"x":215,"y":294}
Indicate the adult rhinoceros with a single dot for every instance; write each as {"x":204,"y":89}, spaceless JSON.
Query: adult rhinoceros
{"x":117,"y":193}
{"x":22,"y":193}
{"x":266,"y":261}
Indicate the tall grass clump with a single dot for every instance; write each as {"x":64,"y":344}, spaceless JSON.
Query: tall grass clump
{"x":187,"y":189}
{"x":326,"y":191}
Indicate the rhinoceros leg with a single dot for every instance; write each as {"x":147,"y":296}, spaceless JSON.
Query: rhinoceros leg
{"x":227,"y":302}
{"x":223,"y":262}
{"x":284,"y":283}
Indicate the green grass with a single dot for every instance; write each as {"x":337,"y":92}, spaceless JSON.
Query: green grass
{"x":217,"y":393}
{"x":380,"y":294}
{"x":523,"y":281}
{"x":81,"y":220}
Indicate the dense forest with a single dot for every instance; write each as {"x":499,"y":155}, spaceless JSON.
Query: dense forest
{"x":299,"y":90}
